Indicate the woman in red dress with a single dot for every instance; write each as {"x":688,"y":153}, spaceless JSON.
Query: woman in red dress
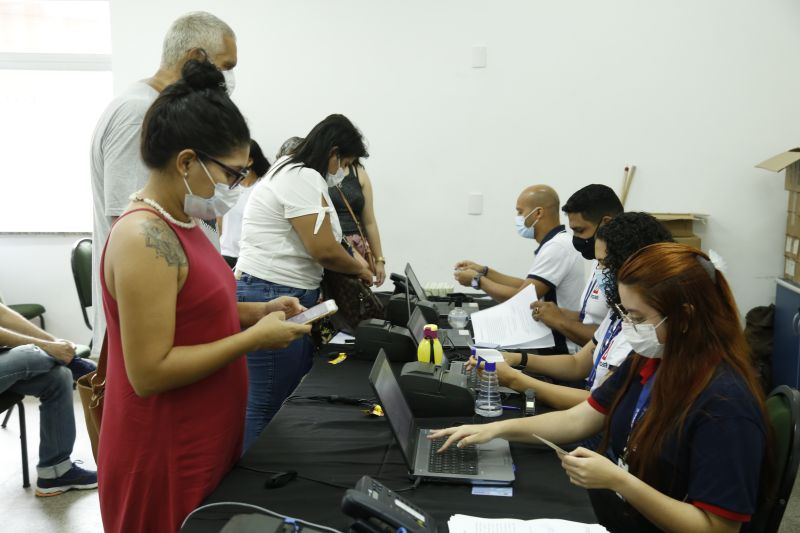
{"x":176,"y":384}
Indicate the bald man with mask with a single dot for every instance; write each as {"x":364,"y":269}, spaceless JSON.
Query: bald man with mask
{"x":557,"y":269}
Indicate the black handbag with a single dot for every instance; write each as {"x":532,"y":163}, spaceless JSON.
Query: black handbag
{"x":356,"y":301}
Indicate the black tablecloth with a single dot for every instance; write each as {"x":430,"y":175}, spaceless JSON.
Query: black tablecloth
{"x":338,"y":444}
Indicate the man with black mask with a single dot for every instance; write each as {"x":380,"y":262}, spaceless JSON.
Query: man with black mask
{"x":587,"y":210}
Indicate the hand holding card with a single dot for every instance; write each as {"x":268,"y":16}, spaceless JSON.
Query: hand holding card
{"x":560,"y":451}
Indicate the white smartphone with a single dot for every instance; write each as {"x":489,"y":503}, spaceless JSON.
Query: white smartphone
{"x":326,"y":308}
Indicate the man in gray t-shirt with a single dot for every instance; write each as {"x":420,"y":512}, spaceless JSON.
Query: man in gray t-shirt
{"x":116,"y":162}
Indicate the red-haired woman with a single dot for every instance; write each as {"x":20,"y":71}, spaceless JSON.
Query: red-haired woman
{"x":683,"y":420}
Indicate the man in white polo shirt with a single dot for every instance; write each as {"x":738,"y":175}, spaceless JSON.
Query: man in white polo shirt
{"x":557,"y":269}
{"x":587,"y":210}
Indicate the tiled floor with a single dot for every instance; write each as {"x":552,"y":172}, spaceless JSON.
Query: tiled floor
{"x":78,"y":511}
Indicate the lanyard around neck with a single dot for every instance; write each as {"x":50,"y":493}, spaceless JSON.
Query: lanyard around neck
{"x":588,"y":295}
{"x":608,"y":339}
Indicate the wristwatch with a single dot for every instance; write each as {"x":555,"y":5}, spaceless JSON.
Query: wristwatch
{"x":476,"y":281}
{"x":380,"y":259}
{"x":523,"y":362}
{"x":485,"y":271}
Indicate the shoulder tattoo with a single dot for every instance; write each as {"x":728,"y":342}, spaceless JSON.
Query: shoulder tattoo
{"x":160,"y":237}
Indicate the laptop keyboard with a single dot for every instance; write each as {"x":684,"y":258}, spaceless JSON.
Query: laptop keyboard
{"x":453,"y":460}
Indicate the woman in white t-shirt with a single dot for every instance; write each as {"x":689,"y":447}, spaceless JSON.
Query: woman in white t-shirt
{"x":290,"y":232}
{"x":229,"y":226}
{"x":615,"y":242}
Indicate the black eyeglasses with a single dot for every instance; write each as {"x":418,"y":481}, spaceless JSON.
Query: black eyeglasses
{"x":237,"y":174}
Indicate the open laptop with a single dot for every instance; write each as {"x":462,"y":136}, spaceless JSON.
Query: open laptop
{"x":482,"y":464}
{"x":413,"y":285}
{"x":450,"y":338}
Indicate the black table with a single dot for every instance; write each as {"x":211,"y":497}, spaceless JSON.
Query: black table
{"x":337,"y":444}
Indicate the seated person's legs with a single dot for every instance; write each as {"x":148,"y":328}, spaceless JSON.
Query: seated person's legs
{"x":30,"y":371}
{"x":23,"y":362}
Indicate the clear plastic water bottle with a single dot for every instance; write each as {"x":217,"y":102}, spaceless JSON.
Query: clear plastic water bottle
{"x":488,"y":401}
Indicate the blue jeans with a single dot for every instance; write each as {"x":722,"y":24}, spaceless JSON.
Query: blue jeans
{"x":29,"y":370}
{"x":272,"y":374}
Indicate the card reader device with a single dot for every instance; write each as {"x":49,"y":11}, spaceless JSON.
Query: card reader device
{"x":374,"y":335}
{"x":431,"y":390}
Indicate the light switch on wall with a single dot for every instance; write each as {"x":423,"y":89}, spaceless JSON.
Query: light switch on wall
{"x":478,"y":57}
{"x":475,"y":203}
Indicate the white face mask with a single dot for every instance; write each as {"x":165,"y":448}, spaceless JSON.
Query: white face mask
{"x":643,"y":339}
{"x":335,"y":179}
{"x":230,"y":81}
{"x":217,"y":205}
{"x":526,"y":232}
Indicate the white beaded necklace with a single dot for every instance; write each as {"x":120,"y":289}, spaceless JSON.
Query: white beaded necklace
{"x":136,"y":197}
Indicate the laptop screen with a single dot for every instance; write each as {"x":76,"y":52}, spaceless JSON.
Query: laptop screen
{"x":395,"y":407}
{"x":416,"y":325}
{"x":413,"y":281}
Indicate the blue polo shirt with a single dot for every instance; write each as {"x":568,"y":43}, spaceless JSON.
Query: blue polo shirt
{"x":714,"y":463}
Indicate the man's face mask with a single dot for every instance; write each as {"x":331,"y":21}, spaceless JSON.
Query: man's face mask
{"x":585,"y":246}
{"x":230,"y":81}
{"x":526,"y":232}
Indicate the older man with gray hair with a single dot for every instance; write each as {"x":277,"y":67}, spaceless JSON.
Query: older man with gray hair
{"x":116,"y":164}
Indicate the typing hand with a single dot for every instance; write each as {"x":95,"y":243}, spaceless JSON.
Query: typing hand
{"x":464,"y":277}
{"x":288,"y":304}
{"x":274,"y":333}
{"x":464,"y":435}
{"x":591,"y":470}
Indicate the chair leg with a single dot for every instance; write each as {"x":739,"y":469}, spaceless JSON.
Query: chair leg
{"x":23,"y":437}
{"x":8,"y":415}
{"x":41,"y":319}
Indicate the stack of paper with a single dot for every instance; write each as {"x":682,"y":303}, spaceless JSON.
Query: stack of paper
{"x":510,"y":325}
{"x":460,"y":523}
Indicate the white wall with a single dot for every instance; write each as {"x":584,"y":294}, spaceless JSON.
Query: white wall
{"x":36,"y":269}
{"x":693,"y":93}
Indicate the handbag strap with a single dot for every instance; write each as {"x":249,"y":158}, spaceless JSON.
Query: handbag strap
{"x":350,"y":209}
{"x":99,"y":378}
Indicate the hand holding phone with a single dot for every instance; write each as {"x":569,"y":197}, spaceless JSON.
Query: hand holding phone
{"x":317,"y":312}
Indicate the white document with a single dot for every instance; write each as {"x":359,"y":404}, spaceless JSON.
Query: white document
{"x":342,"y":338}
{"x":460,"y":523}
{"x":510,"y":324}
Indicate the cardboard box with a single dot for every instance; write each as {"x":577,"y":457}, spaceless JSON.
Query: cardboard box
{"x":681,"y":226}
{"x":694,"y":240}
{"x":789,"y":161}
{"x":793,"y":224}
{"x":791,"y":270}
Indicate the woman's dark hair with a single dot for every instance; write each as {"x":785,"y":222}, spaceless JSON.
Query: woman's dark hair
{"x":624,"y":235}
{"x":335,"y":135}
{"x":194,"y":112}
{"x":260,"y":163}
